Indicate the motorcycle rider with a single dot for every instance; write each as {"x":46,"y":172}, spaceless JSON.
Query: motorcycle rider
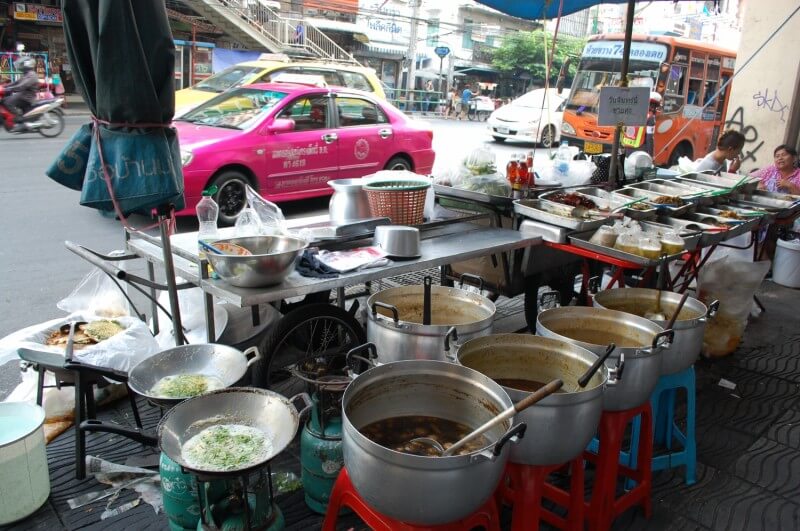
{"x":22,"y":92}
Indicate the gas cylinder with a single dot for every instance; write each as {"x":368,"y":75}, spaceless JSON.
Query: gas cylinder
{"x":321,"y":456}
{"x":179,"y":490}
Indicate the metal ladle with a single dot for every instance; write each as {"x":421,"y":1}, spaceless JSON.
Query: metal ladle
{"x":504,"y":415}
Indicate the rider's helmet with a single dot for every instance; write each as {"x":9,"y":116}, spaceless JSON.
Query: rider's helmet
{"x":27,"y":64}
{"x":655,"y":98}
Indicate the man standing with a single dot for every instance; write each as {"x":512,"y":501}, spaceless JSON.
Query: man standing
{"x":466,"y":96}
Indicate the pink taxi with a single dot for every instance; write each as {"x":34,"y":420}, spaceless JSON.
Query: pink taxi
{"x":288,"y":140}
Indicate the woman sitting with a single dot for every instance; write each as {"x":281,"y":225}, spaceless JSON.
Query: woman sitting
{"x":729,"y":147}
{"x":782,"y":175}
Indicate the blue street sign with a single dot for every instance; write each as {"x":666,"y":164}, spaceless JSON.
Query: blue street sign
{"x":442,"y":51}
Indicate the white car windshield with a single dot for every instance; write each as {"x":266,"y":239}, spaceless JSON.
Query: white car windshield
{"x":535,"y":99}
{"x":238,"y":109}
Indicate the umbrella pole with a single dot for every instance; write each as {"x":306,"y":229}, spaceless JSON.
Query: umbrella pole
{"x":164,"y":215}
{"x":626,"y":52}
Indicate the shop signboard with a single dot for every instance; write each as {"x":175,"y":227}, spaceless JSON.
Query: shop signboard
{"x":385,"y":21}
{"x":623,"y":105}
{"x":37,"y":13}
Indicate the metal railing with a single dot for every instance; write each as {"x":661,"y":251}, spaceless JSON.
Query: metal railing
{"x":417,"y":101}
{"x":290,"y":34}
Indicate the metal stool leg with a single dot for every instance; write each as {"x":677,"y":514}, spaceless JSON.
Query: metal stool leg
{"x":134,"y":408}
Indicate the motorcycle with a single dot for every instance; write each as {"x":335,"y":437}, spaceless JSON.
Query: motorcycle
{"x":44,"y":117}
{"x":480,"y":107}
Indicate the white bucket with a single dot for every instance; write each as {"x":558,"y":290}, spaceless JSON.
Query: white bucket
{"x":786,"y":266}
{"x":23,"y":461}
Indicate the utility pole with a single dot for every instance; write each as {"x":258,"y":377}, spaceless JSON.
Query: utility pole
{"x":412,"y":46}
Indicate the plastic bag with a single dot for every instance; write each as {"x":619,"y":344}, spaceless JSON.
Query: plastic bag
{"x":121,"y":351}
{"x":269,"y":214}
{"x":248,"y":223}
{"x":687,"y":165}
{"x":490,"y":184}
{"x":480,"y":161}
{"x":97,"y":294}
{"x":193,"y":317}
{"x":724,"y":332}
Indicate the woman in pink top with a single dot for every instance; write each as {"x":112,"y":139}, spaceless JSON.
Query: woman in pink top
{"x":783,"y":175}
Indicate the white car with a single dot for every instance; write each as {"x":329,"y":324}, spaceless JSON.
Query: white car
{"x":533,"y":117}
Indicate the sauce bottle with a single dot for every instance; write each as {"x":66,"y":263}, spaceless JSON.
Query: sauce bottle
{"x":531,"y":174}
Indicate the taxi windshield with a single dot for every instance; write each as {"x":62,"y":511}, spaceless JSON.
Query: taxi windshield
{"x":238,"y":109}
{"x":230,"y":77}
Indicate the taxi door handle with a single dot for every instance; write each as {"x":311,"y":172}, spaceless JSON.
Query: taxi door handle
{"x":329,"y":138}
{"x":385,"y":133}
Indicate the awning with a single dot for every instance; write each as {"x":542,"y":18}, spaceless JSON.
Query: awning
{"x":337,"y":25}
{"x":387,"y":48}
{"x":476,"y":69}
{"x":536,"y":9}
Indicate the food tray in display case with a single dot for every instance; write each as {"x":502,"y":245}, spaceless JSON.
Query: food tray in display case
{"x":555,"y":214}
{"x":581,"y":239}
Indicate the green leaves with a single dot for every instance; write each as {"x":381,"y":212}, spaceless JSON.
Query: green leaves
{"x":525,"y":53}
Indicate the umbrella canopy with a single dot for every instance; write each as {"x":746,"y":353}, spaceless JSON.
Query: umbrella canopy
{"x":123,"y":57}
{"x":538,"y":9}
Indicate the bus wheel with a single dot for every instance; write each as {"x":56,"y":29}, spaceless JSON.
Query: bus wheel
{"x":684,"y":149}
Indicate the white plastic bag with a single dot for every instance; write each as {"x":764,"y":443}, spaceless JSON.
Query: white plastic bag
{"x":193,"y":317}
{"x":268,"y":213}
{"x":687,"y":165}
{"x":97,"y":294}
{"x":121,"y":351}
{"x":248,"y":224}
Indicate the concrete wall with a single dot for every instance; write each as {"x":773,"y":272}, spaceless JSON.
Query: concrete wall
{"x":764,"y":102}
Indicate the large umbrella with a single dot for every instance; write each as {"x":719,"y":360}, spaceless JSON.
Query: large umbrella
{"x":538,"y":9}
{"x":127,"y":159}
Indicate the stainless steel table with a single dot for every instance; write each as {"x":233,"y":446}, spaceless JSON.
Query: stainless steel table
{"x":440,"y":246}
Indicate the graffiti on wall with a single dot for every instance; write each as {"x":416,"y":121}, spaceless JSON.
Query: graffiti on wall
{"x":771,"y":103}
{"x":752,"y":142}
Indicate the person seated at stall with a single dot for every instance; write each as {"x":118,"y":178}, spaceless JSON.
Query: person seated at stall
{"x":782,"y":175}
{"x":729,"y":147}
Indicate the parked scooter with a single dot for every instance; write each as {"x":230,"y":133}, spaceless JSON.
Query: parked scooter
{"x":44,"y":117}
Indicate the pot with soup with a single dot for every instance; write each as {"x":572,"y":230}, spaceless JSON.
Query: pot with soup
{"x":638,"y":340}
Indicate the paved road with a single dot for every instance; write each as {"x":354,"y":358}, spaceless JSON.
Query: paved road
{"x":36,"y":271}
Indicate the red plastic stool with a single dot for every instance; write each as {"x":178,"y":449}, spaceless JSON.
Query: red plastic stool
{"x":345,"y":495}
{"x":524,"y":487}
{"x":604,"y":505}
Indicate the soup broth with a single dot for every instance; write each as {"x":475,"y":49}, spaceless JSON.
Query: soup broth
{"x":600,"y":337}
{"x":396,"y":434}
{"x":523,"y":385}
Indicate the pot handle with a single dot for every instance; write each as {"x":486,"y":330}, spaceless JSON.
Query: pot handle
{"x":393,"y":309}
{"x":663,"y":339}
{"x":355,"y":354}
{"x":549,"y":299}
{"x":452,"y":333}
{"x":134,"y":434}
{"x":256,"y":356}
{"x":615,"y":374}
{"x":475,"y":278}
{"x":518,"y":431}
{"x":713,"y":308}
{"x":303,"y":397}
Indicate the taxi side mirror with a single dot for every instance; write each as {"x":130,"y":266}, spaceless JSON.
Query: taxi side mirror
{"x":280,"y":125}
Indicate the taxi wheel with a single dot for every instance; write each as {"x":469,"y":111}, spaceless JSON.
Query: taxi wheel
{"x":231,"y":195}
{"x":398,"y":164}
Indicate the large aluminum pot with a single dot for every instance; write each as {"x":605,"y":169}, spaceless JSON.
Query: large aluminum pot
{"x":689,"y":327}
{"x":638,"y":341}
{"x":349,"y":201}
{"x":564,"y":422}
{"x":414,"y":489}
{"x":395,"y":321}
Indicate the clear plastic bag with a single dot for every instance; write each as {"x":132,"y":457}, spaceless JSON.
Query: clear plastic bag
{"x":248,"y":223}
{"x":268,"y":214}
{"x":480,"y":161}
{"x":97,"y":294}
{"x":733,"y":284}
{"x":491,"y":184}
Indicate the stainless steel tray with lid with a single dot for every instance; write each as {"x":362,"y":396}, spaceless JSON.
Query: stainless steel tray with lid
{"x":648,"y":196}
{"x":784,"y":205}
{"x":687,"y":192}
{"x":725,"y":180}
{"x":710,"y":234}
{"x":764,"y":218}
{"x":560,"y":217}
{"x":469,"y":195}
{"x":581,"y":239}
{"x":734,"y":227}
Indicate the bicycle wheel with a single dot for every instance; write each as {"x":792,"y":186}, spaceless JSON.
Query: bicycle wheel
{"x":311,"y":339}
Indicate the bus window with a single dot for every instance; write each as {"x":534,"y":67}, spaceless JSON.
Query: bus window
{"x":697,"y":76}
{"x":676,"y":83}
{"x":724,"y":96}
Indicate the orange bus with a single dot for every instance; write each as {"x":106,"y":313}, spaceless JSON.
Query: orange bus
{"x":687,"y":74}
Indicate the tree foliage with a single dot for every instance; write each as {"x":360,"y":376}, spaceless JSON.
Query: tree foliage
{"x":524,"y":52}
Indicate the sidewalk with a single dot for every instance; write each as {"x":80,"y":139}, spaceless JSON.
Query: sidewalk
{"x":75,"y":106}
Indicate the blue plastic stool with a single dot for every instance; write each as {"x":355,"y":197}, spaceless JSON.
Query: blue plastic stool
{"x":665,"y":431}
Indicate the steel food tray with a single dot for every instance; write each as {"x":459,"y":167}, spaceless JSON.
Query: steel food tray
{"x":581,"y":239}
{"x":710,"y":234}
{"x":725,"y":180}
{"x":734,"y":229}
{"x":764,"y":218}
{"x":685,"y":191}
{"x":638,"y":193}
{"x":784,"y":205}
{"x":534,"y":209}
{"x":469,"y":195}
{"x":691,"y":238}
{"x":608,"y":200}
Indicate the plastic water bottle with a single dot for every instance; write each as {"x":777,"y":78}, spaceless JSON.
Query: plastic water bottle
{"x":563,"y":156}
{"x":207,"y":214}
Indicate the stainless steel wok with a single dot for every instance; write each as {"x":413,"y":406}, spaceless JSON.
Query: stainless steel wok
{"x":267,"y":411}
{"x":223,"y":362}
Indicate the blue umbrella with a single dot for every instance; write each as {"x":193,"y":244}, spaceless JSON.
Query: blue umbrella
{"x":538,"y":9}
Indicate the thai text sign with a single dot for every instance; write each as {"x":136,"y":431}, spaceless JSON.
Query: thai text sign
{"x":623,"y":105}
{"x":642,"y":51}
{"x":37,"y":13}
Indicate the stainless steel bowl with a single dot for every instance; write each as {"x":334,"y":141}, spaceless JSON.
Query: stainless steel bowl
{"x":398,"y":241}
{"x":273,"y":258}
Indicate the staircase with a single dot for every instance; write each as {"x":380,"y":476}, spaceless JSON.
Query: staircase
{"x":255,"y":25}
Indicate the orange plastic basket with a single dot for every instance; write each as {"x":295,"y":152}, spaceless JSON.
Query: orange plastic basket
{"x":403,"y":202}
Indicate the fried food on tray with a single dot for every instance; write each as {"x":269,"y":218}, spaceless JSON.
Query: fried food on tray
{"x":85,"y":334}
{"x":668,"y":200}
{"x":730,"y":214}
{"x":572,"y":200}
